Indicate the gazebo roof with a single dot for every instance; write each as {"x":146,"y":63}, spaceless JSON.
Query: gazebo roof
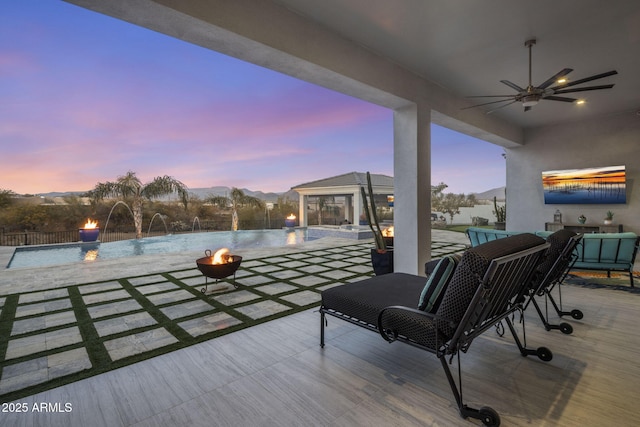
{"x":348,"y":180}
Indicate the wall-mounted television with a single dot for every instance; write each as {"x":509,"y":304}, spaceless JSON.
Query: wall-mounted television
{"x":604,"y":185}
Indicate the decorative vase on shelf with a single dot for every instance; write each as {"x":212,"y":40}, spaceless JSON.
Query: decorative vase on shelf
{"x":582,"y":219}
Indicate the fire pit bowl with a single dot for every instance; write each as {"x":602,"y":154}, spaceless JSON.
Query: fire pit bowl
{"x":218,"y":271}
{"x":218,"y":266}
{"x":89,"y":234}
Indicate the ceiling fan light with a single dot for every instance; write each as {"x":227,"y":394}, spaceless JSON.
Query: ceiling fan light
{"x":530,"y":100}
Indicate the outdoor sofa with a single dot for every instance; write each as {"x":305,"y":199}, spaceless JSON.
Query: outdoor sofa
{"x":445,"y":313}
{"x":597,"y":251}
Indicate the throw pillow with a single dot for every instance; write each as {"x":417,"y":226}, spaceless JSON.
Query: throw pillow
{"x":437,"y":282}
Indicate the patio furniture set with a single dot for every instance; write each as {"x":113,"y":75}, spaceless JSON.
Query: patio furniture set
{"x":463,"y":297}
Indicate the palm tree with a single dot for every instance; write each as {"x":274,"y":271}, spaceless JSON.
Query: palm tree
{"x":235,"y":200}
{"x":130,"y":187}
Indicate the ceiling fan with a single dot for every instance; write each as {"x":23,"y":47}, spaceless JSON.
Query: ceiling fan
{"x":531,"y":95}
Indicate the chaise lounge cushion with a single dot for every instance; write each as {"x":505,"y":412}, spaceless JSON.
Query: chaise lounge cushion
{"x":363,"y":300}
{"x":437,"y":282}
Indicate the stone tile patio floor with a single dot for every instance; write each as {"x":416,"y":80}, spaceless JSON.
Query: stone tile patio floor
{"x":49,"y":334}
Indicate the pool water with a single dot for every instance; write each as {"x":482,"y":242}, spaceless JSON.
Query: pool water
{"x":39,"y":256}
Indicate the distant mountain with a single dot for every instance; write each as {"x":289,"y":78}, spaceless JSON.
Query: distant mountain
{"x":499,"y":193}
{"x":62,"y":193}
{"x":203,"y":193}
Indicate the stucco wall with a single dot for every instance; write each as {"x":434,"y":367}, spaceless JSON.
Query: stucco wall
{"x":607,"y":142}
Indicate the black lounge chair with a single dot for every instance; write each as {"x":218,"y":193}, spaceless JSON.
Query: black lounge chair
{"x":486,"y":287}
{"x":550,"y":273}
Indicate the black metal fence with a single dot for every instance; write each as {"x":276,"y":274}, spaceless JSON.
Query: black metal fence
{"x":38,"y":238}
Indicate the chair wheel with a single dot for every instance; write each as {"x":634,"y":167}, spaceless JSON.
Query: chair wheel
{"x":544,"y":354}
{"x":566,"y":328}
{"x":489,"y":417}
{"x":576,"y":314}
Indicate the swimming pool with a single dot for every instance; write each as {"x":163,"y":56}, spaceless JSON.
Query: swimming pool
{"x":40,"y":256}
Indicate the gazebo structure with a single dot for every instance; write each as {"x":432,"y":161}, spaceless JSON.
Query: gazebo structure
{"x":348,"y":186}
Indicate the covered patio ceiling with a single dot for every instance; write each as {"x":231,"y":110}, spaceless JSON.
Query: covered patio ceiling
{"x":467,"y":47}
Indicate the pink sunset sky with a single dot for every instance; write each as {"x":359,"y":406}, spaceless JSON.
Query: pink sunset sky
{"x":84,"y":98}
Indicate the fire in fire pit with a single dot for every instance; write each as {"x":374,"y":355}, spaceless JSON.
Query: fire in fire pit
{"x":90,"y":231}
{"x":290,"y":221}
{"x":387,"y":235}
{"x":220,"y":265}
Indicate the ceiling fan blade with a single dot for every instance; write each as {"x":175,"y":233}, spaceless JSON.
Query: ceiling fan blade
{"x":487,"y":103}
{"x":512,"y":85}
{"x":583,"y":89}
{"x":560,"y":98}
{"x":502,"y":106}
{"x":554,"y":78}
{"x":586,"y":79}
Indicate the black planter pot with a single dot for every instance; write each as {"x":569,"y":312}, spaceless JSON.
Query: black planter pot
{"x":382,"y":262}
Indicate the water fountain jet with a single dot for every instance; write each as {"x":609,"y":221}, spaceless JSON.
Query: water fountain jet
{"x":111,"y":211}
{"x":166,"y":230}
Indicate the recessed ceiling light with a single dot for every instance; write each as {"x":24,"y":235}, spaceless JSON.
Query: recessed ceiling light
{"x":561,"y":81}
{"x":580,"y":101}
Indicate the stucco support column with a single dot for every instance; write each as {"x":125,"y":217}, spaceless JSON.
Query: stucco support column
{"x":348,"y":203}
{"x":357,"y":207}
{"x":412,"y":188}
{"x":302,"y":210}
